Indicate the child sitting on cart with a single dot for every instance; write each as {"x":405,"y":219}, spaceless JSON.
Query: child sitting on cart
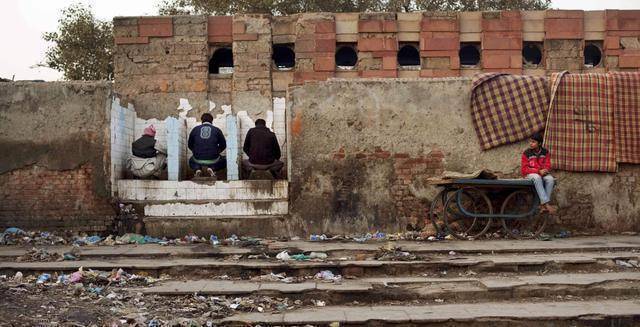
{"x":536,"y":165}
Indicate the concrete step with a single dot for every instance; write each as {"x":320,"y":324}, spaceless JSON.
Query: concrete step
{"x":549,"y":313}
{"x":422,"y":289}
{"x":338,"y":249}
{"x":223,"y":226}
{"x":218,"y":208}
{"x":150,"y":191}
{"x":435,"y":265}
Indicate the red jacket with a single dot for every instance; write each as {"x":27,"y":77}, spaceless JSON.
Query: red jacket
{"x":532,"y":161}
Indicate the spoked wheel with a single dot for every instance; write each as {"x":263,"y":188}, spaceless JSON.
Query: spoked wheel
{"x":436,"y":211}
{"x":464,"y":227}
{"x":521,"y":202}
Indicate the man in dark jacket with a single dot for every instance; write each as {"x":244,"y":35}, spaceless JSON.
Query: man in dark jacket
{"x":206,"y":142}
{"x":261,"y":145}
{"x":147,"y":160}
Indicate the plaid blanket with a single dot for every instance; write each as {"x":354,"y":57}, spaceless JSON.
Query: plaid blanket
{"x":627,"y":116}
{"x":580,"y":128}
{"x":507,"y":108}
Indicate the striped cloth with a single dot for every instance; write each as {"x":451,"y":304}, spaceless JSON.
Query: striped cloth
{"x":580,"y":128}
{"x":627,"y":116}
{"x":507,"y":108}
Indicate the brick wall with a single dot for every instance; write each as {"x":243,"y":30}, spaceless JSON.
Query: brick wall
{"x":161,"y":59}
{"x":55,"y":163}
{"x":37,"y":198}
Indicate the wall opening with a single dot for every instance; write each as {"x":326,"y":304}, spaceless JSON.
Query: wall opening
{"x":221,"y":61}
{"x":408,"y":56}
{"x":531,"y":54}
{"x":469,"y":54}
{"x":346,"y":55}
{"x":592,"y":54}
{"x":284,"y":58}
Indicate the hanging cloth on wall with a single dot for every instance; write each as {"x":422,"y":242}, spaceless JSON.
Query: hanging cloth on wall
{"x":507,"y":108}
{"x":580,"y":125}
{"x":627,"y":115}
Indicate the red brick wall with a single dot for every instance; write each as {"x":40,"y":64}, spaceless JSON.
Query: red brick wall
{"x":407,"y":170}
{"x":36,"y":198}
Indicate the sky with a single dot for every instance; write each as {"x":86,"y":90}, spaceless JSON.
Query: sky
{"x":22,"y":23}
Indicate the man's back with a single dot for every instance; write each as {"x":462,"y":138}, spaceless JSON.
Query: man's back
{"x":206,"y":142}
{"x":261,"y":145}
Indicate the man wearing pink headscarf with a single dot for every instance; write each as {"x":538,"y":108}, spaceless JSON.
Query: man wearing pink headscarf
{"x":147,"y":160}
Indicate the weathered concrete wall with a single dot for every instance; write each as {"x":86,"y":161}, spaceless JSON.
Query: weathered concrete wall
{"x":363,"y":149}
{"x":54,"y":141}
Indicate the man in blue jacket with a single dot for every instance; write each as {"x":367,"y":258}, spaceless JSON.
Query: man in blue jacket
{"x":206,"y":142}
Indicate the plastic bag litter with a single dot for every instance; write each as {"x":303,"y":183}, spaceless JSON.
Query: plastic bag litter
{"x":284,"y":256}
{"x":17,"y":277}
{"x":77,"y":276}
{"x":315,"y":237}
{"x":328,"y":276}
{"x":300,"y":257}
{"x":43,"y":278}
{"x":214,"y":240}
{"x":129,"y":238}
{"x":88,"y":240}
{"x":152,"y":240}
{"x":69,"y":256}
{"x":318,"y":255}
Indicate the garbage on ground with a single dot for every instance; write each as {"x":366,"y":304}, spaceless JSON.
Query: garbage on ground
{"x":628,"y":263}
{"x":43,"y":278}
{"x":271,"y":277}
{"x":318,"y":255}
{"x":130,"y":238}
{"x":69,"y":256}
{"x":300,"y":257}
{"x":35,"y":254}
{"x":314,"y":237}
{"x":88,"y":240}
{"x":319,"y":303}
{"x":17,"y":236}
{"x":284,"y":256}
{"x":392,"y":253}
{"x":214,"y":240}
{"x":17,"y":277}
{"x":328,"y":276}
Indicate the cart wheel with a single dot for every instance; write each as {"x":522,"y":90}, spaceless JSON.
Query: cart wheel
{"x":467,"y":227}
{"x":436,"y":211}
{"x":520,"y":202}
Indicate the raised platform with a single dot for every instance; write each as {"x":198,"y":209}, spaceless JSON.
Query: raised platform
{"x":175,"y":208}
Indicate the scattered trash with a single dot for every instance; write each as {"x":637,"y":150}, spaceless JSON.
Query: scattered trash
{"x":393,"y":253}
{"x":628,"y":263}
{"x":130,"y":238}
{"x":452,"y":253}
{"x":284,"y":256}
{"x":271,"y":277}
{"x":315,"y":237}
{"x":300,"y":257}
{"x":327,"y":275}
{"x":319,"y":303}
{"x":563,"y":234}
{"x":17,"y":277}
{"x":88,"y":240}
{"x":318,"y":255}
{"x":38,"y":255}
{"x":43,"y":278}
{"x":439,"y":300}
{"x":69,"y":256}
{"x":214,"y":240}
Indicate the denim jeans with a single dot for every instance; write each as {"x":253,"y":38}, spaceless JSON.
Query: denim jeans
{"x":544,"y":186}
